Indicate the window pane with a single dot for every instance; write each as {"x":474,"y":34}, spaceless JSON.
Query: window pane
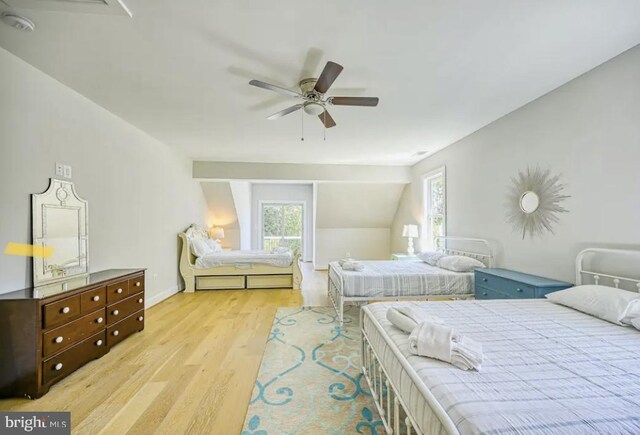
{"x":293,"y":220}
{"x":272,"y":221}
{"x":437,"y":229}
{"x":437,"y":196}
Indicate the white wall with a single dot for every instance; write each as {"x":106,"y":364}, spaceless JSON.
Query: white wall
{"x":283,"y":192}
{"x":241,"y":191}
{"x":354,"y":218}
{"x":140,"y":192}
{"x":222,"y":211}
{"x":587,"y":130}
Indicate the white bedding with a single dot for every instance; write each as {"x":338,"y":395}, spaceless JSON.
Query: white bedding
{"x":244,"y":259}
{"x":548,"y":369}
{"x":399,"y":278}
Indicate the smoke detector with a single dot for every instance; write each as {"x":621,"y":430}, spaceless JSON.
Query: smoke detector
{"x":18,"y":22}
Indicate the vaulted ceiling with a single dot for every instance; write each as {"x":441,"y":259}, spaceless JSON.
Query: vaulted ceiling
{"x":179,"y":70}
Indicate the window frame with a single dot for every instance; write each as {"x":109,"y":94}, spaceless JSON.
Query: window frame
{"x":303,"y":231}
{"x":427,"y":236}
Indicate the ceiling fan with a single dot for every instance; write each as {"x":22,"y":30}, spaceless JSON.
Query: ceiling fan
{"x":312,"y":93}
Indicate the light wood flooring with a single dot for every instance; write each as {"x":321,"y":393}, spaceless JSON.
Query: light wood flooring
{"x":191,"y":371}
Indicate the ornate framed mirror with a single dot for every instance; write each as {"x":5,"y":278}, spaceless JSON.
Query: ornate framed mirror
{"x":60,"y":227}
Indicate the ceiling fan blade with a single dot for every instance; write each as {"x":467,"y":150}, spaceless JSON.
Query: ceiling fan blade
{"x":327,"y":120}
{"x":329,"y":74}
{"x":354,"y":101}
{"x":286,"y":111}
{"x":275,"y":88}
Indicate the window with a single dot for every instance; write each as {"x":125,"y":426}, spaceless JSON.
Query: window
{"x":282,"y":225}
{"x":435,"y":204}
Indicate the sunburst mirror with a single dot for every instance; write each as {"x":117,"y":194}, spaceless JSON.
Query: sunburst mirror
{"x":533,"y":202}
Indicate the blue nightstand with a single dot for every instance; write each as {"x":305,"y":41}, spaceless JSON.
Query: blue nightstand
{"x":508,"y":284}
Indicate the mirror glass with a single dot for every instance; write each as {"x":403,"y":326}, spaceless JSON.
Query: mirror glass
{"x":529,"y":202}
{"x":60,"y":229}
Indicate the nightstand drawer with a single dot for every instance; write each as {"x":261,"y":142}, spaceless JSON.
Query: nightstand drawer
{"x":487,"y":293}
{"x":506,"y":286}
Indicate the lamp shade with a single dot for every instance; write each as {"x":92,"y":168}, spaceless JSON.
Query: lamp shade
{"x":410,"y":231}
{"x":216,"y":233}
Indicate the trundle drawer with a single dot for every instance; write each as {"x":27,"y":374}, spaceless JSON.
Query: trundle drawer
{"x":118,"y":291}
{"x":93,"y":299}
{"x":219,"y":282}
{"x":269,"y":281}
{"x":62,"y":311}
{"x":73,"y":358}
{"x":125,"y":308}
{"x":77,"y":330}
{"x":121,"y":330}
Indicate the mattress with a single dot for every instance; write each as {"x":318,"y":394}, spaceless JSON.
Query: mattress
{"x":548,"y":370}
{"x":244,"y":259}
{"x":399,"y":278}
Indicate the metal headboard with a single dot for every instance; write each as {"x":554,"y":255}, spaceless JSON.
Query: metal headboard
{"x":597,"y":276}
{"x":486,"y":258}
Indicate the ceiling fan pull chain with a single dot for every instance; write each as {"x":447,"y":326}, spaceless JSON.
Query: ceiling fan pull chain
{"x":302,"y":126}
{"x":324,"y":125}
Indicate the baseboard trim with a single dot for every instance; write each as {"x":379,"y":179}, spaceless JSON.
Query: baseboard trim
{"x":162,"y":296}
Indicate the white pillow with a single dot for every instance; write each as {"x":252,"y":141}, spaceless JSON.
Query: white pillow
{"x":606,"y":303}
{"x":213,"y":245}
{"x":636,"y":323}
{"x":430,"y":257}
{"x":459,"y":263}
{"x":199,"y":247}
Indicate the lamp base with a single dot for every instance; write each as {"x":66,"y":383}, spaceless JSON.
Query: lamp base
{"x":410,"y":250}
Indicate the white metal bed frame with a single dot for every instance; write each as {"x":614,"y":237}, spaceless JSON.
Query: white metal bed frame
{"x":338,"y":299}
{"x":390,"y":405}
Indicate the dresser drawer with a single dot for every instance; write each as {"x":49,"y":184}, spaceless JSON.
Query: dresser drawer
{"x":71,"y":359}
{"x":121,"y":330}
{"x":93,"y":299}
{"x":118,"y":291}
{"x":77,"y":330}
{"x":487,"y":293}
{"x":136,"y":284}
{"x":269,"y":281}
{"x":61,"y":311}
{"x":124,"y":308}
{"x":507,"y":287}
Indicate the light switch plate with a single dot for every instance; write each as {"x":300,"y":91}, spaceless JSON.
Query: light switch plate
{"x":67,"y":171}
{"x":59,"y":170}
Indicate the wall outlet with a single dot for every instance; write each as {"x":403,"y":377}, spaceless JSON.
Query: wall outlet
{"x":59,"y":170}
{"x":67,"y":171}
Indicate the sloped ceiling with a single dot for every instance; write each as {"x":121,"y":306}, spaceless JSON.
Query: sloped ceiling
{"x":179,"y":70}
{"x":222,"y":210}
{"x":357,"y":205}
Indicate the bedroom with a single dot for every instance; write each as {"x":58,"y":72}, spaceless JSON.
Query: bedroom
{"x":152,"y":114}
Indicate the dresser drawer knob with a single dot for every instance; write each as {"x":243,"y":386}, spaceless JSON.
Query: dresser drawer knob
{"x":116,"y":332}
{"x":95,"y":298}
{"x":116,"y":312}
{"x":138,"y":284}
{"x":485,"y":279}
{"x":484,"y":293}
{"x":99,"y":343}
{"x":58,"y":366}
{"x":59,"y":339}
{"x":66,"y":310}
{"x":119,"y":291}
{"x":99,"y":320}
{"x":140,"y":300}
{"x":519,"y":290}
{"x":141,"y":318}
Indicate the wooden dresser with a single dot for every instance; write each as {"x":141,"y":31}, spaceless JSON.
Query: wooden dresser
{"x":46,"y":333}
{"x":509,"y":284}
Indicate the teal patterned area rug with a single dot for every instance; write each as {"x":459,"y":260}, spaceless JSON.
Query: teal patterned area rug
{"x":310,"y":381}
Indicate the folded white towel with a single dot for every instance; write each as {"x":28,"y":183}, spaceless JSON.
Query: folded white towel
{"x":407,"y":318}
{"x":442,"y":342}
{"x":352,"y":266}
{"x":343,"y":260}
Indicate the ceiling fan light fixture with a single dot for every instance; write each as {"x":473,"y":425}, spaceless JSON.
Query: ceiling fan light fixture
{"x":314,"y":109}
